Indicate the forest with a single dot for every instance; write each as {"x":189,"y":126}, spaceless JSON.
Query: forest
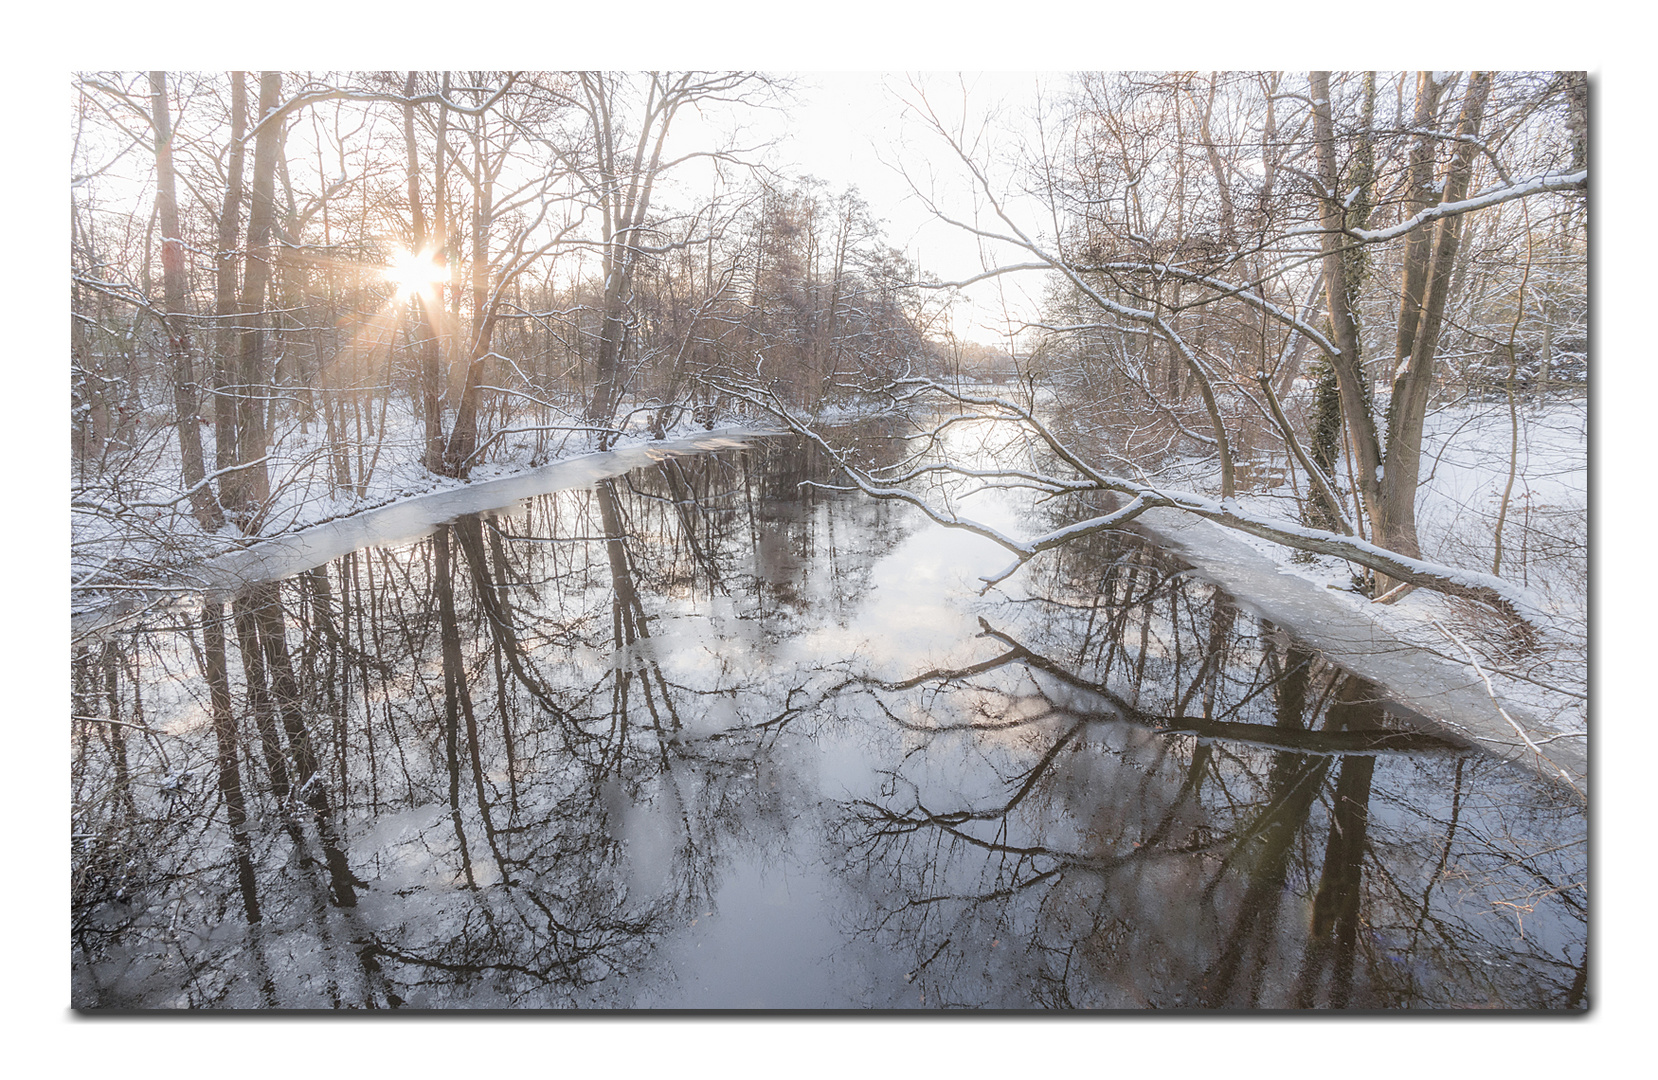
{"x":1336,"y":322}
{"x":280,"y":291}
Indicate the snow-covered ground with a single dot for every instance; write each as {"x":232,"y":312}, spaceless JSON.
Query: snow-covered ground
{"x":131,"y":530}
{"x":1466,"y":452}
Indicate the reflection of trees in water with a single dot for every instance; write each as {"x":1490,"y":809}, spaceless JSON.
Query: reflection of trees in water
{"x":488,"y":728}
{"x":498,"y":766}
{"x":1272,"y":861}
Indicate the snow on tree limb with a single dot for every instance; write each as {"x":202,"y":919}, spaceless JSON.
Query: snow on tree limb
{"x":317,"y":93}
{"x":1537,"y":185}
{"x":1491,"y":692}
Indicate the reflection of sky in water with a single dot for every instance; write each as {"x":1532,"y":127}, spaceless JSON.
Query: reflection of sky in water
{"x":913,"y":612}
{"x":770,"y":941}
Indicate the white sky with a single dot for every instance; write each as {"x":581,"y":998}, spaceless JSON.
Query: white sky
{"x":860,"y":128}
{"x":863,"y":129}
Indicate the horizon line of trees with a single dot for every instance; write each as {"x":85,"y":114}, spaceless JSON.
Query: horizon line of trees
{"x":278,"y":271}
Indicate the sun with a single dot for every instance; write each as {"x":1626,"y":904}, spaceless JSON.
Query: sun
{"x":412,"y":274}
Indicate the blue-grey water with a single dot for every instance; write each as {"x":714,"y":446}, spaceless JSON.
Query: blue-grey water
{"x":698,"y":736}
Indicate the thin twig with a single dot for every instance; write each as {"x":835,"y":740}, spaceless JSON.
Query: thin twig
{"x":1518,"y":730}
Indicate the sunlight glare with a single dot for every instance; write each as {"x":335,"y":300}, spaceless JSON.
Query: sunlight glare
{"x":413,"y":274}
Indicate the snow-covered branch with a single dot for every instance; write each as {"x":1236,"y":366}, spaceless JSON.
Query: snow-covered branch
{"x":1513,"y":603}
{"x":314,"y":95}
{"x":1537,"y":185}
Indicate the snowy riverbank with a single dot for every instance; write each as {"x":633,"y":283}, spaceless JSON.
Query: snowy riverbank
{"x":1428,"y":651}
{"x":406,"y":516}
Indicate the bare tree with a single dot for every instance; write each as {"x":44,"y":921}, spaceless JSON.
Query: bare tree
{"x":1105,"y":250}
{"x":618,"y":161}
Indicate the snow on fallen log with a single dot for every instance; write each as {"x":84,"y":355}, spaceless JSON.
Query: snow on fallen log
{"x":1516,"y":604}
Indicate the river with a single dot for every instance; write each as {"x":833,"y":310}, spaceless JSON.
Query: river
{"x":698,"y":736}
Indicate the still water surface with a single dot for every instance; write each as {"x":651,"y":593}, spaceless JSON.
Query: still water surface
{"x":701,"y":737}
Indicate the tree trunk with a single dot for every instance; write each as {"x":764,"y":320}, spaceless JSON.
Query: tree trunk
{"x":1396,"y":522}
{"x":431,"y":388}
{"x":224,"y":301}
{"x":253,"y":438}
{"x":1228,"y":218}
{"x":1420,"y":195}
{"x":629,"y":180}
{"x":1577,"y":116}
{"x":1341,"y":276}
{"x":174,"y":288}
{"x":463,"y":436}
